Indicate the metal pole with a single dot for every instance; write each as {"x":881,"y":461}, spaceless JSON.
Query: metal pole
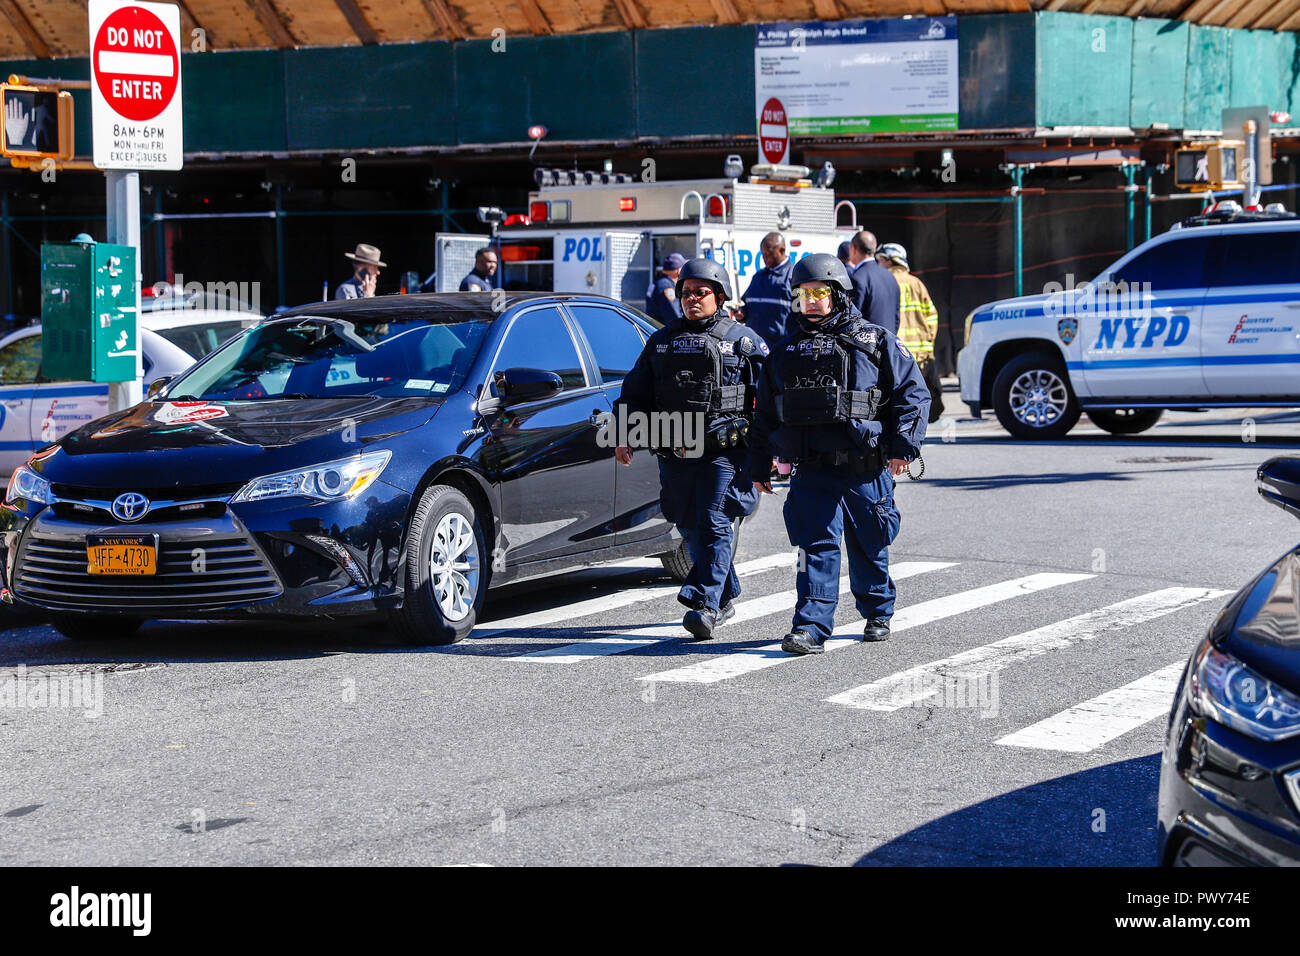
{"x":279,"y":248}
{"x":1250,"y":194}
{"x":160,"y":236}
{"x":1129,"y":189}
{"x":122,"y":196}
{"x":1146,"y":204}
{"x":1018,"y":176}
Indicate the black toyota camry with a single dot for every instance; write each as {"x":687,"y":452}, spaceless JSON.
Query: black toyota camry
{"x":1230,"y":773}
{"x":396,"y":455}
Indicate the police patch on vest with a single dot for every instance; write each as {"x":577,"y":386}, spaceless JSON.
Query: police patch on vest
{"x":727,"y":348}
{"x":902,"y":348}
{"x":661,"y":347}
{"x":688,"y":344}
{"x":1067,"y":329}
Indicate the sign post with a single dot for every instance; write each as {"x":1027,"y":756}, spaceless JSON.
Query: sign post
{"x":136,"y":118}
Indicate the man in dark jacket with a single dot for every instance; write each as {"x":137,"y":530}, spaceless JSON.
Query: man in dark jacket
{"x":704,"y":367}
{"x":767,"y":300}
{"x":661,"y":300}
{"x":875,"y":292}
{"x":480,"y":277}
{"x":845,"y":402}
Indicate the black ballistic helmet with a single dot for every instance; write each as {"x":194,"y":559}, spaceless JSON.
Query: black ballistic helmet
{"x":710,"y":271}
{"x":820,"y":267}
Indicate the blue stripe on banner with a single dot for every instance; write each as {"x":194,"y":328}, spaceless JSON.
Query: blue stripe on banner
{"x":1176,"y":361}
{"x":892,"y":30}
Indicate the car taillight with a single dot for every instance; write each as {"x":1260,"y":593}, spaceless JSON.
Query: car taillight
{"x":537,"y":211}
{"x":627,"y":204}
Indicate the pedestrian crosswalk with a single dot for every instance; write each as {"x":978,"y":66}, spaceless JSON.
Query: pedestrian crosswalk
{"x":1077,"y":728}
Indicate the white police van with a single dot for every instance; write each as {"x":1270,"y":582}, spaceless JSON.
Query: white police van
{"x":605,"y":233}
{"x":1205,"y":316}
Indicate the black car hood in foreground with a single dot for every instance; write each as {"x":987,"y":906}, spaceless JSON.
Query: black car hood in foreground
{"x":1266,"y":631}
{"x":177,"y":444}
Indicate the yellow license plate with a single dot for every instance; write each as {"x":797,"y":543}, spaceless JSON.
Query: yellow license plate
{"x":122,"y":554}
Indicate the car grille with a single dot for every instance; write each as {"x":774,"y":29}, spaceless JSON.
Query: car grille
{"x":51,"y":571}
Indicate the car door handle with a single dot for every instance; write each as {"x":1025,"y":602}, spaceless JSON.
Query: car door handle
{"x":599,"y":418}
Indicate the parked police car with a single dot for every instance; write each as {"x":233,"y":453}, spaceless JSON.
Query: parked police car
{"x":1205,"y":316}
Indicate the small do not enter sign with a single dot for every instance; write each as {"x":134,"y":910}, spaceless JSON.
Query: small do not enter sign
{"x":774,"y":132}
{"x":136,"y":63}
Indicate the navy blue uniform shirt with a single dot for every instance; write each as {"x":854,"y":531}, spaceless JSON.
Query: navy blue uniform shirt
{"x":876,"y":294}
{"x":475,"y":283}
{"x":661,"y":302}
{"x":767,"y":302}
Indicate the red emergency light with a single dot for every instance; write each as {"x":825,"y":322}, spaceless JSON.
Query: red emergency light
{"x":717,"y":207}
{"x":517,"y":219}
{"x":537,"y":211}
{"x":627,"y":204}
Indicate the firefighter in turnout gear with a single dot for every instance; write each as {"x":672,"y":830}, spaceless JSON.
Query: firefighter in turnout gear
{"x":918,"y":321}
{"x":694,"y":383}
{"x":845,"y":402}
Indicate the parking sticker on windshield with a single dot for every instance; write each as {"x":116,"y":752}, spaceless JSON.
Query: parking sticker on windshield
{"x":176,"y":413}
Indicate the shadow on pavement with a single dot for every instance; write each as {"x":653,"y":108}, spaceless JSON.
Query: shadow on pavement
{"x":994,"y":482}
{"x":1047,"y":824}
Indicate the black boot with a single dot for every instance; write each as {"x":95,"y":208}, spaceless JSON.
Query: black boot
{"x":726,"y":614}
{"x":877,"y":629}
{"x":701,"y":620}
{"x":801,"y":642}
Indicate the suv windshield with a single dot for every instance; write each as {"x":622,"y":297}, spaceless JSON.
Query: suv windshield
{"x":313,"y":357}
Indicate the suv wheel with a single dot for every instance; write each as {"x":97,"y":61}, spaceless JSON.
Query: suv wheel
{"x":1125,"y":421}
{"x":678,"y":563}
{"x":91,"y":627}
{"x":1033,"y":399}
{"x":446,"y":577}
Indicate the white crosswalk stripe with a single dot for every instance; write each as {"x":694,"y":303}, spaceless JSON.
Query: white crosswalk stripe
{"x":744,"y":662}
{"x":611,"y":602}
{"x":916,"y":684}
{"x":626,"y":640}
{"x":1087,"y":726}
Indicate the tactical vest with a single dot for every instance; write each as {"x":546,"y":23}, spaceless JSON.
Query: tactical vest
{"x":689,"y":374}
{"x":815,"y":379}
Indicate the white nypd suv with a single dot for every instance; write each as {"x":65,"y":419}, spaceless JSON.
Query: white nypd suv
{"x":1205,"y":316}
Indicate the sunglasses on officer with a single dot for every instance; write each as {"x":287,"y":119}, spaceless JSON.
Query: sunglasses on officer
{"x":697,"y":293}
{"x":815,"y":294}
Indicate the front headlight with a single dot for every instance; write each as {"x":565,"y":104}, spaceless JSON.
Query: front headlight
{"x":27,"y":485}
{"x":1226,"y":690}
{"x":332,"y":481}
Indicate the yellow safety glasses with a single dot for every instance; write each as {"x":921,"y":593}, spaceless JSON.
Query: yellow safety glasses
{"x":812,"y":295}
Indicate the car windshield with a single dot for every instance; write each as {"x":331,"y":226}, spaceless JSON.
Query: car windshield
{"x":199,"y":340}
{"x":313,"y":357}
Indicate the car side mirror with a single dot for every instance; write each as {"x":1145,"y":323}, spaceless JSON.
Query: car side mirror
{"x":519,"y":385}
{"x":1278,"y":480}
{"x":158,"y":384}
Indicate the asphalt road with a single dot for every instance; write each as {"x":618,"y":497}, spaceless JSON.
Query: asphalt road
{"x":624,"y":743}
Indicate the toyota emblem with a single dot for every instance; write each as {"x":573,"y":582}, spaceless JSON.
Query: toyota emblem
{"x":130,"y":506}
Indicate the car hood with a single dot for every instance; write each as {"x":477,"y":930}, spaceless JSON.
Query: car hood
{"x":177,"y":444}
{"x":1266,"y":632}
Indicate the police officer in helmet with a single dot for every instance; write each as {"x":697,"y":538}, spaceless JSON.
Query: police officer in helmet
{"x":699,"y":372}
{"x":845,"y":402}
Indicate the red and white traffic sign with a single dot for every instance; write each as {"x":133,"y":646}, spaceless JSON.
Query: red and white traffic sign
{"x":135,"y":89}
{"x":774,"y":132}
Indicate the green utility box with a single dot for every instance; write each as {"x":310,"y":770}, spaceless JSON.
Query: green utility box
{"x":88,"y":312}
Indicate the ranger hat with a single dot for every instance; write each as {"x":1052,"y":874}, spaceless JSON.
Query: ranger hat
{"x":366,"y":253}
{"x":820,"y":267}
{"x":709,"y":270}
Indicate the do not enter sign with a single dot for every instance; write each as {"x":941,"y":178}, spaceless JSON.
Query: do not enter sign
{"x":136,"y":87}
{"x":774,"y":132}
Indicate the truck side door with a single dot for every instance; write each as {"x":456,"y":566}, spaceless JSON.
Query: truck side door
{"x":1141,"y":329}
{"x":1250,"y":345}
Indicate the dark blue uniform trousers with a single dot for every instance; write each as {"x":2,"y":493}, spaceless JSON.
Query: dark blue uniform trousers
{"x":693,"y":494}
{"x":825,"y":504}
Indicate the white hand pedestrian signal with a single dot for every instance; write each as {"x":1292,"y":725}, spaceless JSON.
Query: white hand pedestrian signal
{"x":16,"y":123}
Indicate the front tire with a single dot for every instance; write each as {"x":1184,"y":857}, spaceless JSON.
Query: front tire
{"x":1033,"y":399}
{"x":678,"y":562}
{"x":1125,"y":421}
{"x":93,"y":627}
{"x":446,"y":575}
